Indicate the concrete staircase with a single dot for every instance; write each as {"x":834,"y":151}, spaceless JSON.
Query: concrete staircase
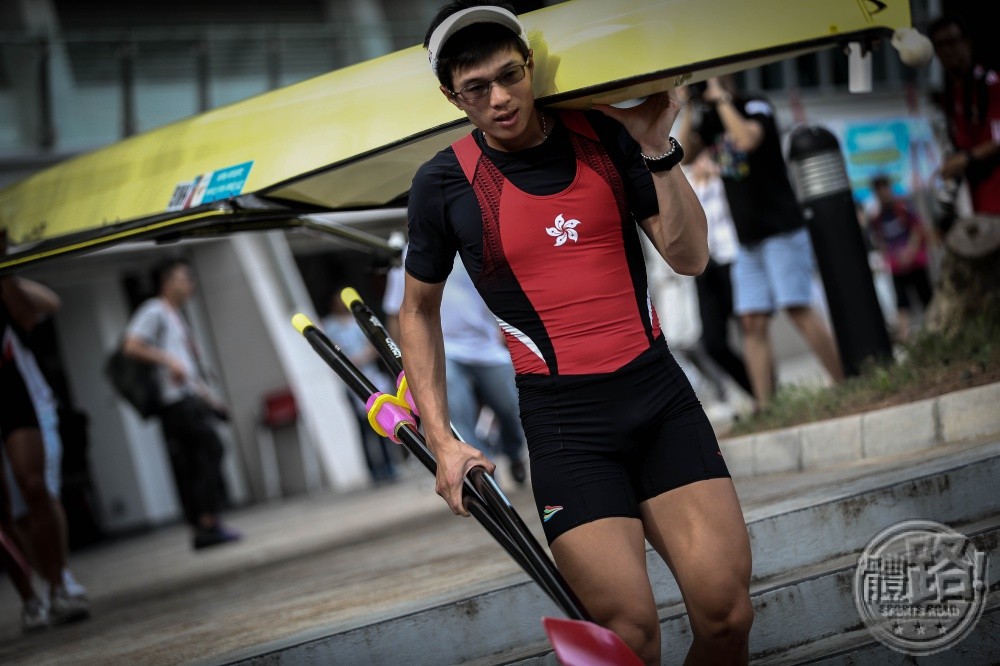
{"x":805,"y":540}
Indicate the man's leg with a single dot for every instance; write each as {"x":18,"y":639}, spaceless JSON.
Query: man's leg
{"x":820,"y":340}
{"x":495,"y":384}
{"x":196,"y":452}
{"x":791,"y":270}
{"x":753,"y":302}
{"x":758,"y":355}
{"x":699,"y":531}
{"x":19,"y":511}
{"x":14,"y":561}
{"x":715,"y":305}
{"x":604,"y":562}
{"x":207,"y":451}
{"x":463,"y":407}
{"x":26,"y":452}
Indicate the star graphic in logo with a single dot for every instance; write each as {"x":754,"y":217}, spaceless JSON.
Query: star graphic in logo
{"x":564,"y":230}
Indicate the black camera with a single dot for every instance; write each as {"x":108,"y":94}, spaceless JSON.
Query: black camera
{"x":697,"y":90}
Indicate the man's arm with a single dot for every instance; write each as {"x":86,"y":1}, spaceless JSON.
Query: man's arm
{"x":137,"y":348}
{"x":957,"y":164}
{"x":679,"y":231}
{"x":745,"y":134}
{"x":686,"y":134}
{"x":424,"y":362}
{"x":27,"y":301}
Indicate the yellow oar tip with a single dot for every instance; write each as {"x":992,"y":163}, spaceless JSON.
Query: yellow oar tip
{"x":302,"y":322}
{"x":349,"y":295}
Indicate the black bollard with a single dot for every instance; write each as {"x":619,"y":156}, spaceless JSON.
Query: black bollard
{"x":824,"y":192}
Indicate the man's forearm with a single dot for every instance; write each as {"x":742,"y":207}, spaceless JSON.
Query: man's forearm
{"x":28,"y":301}
{"x":680,"y":231}
{"x":142,"y":351}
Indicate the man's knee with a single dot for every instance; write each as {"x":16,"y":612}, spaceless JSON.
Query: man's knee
{"x":724,"y":620}
{"x":641,"y":634}
{"x":754,"y":325}
{"x":33,"y":490}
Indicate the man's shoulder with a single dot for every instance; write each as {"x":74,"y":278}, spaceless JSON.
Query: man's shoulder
{"x":151,"y":310}
{"x":442,"y":163}
{"x":150,"y":305}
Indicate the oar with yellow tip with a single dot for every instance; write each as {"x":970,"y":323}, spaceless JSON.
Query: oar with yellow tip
{"x":483,"y":497}
{"x":529,"y":553}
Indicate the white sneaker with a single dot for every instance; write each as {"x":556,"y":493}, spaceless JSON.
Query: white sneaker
{"x":72,"y":586}
{"x":65,"y":607}
{"x":34,"y":615}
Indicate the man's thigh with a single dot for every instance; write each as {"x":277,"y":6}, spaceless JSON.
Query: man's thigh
{"x":699,"y":530}
{"x":604,"y":562}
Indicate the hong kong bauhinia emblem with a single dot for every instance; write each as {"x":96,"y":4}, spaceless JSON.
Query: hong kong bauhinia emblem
{"x":564,"y":230}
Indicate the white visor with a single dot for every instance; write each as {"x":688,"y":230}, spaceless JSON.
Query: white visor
{"x":464,"y":19}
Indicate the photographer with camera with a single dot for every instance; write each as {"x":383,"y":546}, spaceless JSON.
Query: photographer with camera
{"x":774,"y":267}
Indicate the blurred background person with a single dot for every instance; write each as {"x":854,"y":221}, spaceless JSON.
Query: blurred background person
{"x":29,"y":429}
{"x":899,"y":234}
{"x":714,"y":285}
{"x":774,"y":267}
{"x":159,"y":335}
{"x":478,"y":366}
{"x":971,"y":105}
{"x":340,"y":326}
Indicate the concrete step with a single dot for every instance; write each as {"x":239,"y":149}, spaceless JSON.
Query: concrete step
{"x":805,"y":549}
{"x":805,"y":615}
{"x":858,"y":648}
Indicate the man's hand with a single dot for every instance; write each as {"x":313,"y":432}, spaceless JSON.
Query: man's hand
{"x":955,"y":165}
{"x":454,"y":460}
{"x":648,"y":123}
{"x":714,"y":92}
{"x":178,"y":375}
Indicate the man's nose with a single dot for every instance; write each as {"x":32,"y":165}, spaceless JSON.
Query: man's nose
{"x":498,"y":94}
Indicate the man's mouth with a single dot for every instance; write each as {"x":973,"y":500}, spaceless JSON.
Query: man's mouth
{"x":506,"y":120}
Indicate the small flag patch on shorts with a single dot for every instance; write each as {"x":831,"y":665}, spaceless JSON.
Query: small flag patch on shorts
{"x":549,"y":512}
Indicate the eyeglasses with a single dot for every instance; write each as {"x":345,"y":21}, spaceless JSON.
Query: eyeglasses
{"x":479,"y":89}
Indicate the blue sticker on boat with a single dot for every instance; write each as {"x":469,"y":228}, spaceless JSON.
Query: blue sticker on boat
{"x":214,"y":186}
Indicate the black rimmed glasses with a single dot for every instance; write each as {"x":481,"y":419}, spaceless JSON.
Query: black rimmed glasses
{"x":479,"y":89}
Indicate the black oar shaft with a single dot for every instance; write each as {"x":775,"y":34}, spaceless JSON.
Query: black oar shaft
{"x":505,"y":525}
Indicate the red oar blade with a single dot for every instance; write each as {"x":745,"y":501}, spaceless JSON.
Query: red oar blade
{"x":581,"y":643}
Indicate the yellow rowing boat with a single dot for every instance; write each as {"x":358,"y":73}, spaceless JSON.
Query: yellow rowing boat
{"x":352,"y":139}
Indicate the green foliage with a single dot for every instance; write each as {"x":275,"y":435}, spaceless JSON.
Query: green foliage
{"x":926,"y":366}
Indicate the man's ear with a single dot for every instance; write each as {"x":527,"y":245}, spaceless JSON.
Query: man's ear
{"x":451,"y":98}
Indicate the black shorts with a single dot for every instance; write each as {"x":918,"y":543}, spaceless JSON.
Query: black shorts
{"x":16,"y":408}
{"x":602,"y":444}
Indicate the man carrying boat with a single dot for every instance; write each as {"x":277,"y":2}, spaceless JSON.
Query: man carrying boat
{"x":542,"y":208}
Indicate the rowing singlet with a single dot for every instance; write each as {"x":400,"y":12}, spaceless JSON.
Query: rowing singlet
{"x":563,"y":273}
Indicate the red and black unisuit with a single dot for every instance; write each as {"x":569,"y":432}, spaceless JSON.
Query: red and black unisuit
{"x":549,"y":237}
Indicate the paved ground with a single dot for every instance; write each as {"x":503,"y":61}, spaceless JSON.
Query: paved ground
{"x":307,"y":565}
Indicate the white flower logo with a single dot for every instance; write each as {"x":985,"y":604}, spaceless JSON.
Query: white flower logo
{"x":564,"y":230}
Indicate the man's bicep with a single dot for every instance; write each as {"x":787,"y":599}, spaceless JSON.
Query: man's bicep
{"x":144,"y":325}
